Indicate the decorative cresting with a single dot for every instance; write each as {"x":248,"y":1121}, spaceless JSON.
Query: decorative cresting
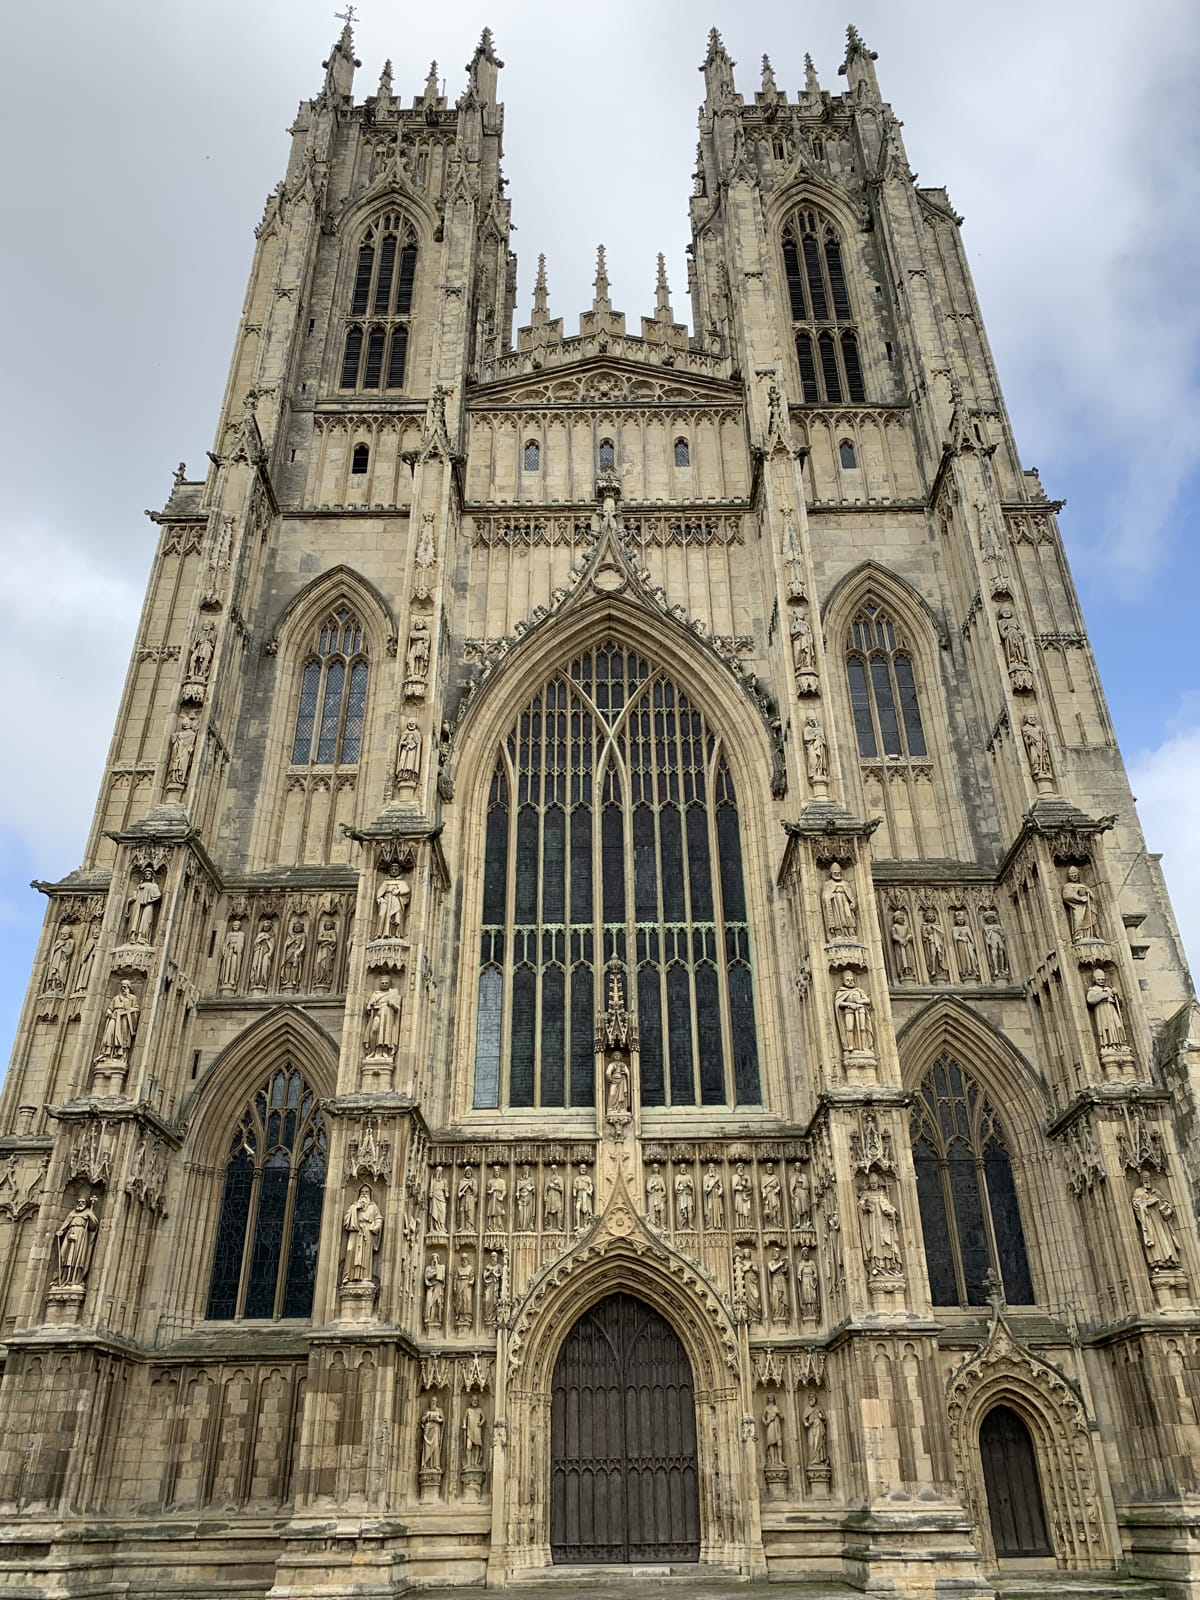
{"x":620,"y":1254}
{"x":1003,"y":1372}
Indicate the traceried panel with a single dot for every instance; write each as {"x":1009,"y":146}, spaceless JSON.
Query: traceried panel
{"x":326,"y":741}
{"x":375,"y":347}
{"x":612,"y":844}
{"x":827,"y":352}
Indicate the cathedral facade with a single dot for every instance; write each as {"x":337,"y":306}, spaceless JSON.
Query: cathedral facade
{"x":615,"y":1009}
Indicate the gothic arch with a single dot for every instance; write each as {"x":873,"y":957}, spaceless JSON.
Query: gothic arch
{"x":384,"y":195}
{"x":852,"y":588}
{"x":811,"y":187}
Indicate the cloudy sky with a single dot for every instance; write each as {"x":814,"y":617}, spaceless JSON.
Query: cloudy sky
{"x":142,"y":139}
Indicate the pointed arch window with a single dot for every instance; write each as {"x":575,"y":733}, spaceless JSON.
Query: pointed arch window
{"x":612,"y":844}
{"x":826,"y":343}
{"x":968,"y":1200}
{"x":375,"y":348}
{"x":333,"y":695}
{"x":883,"y":687}
{"x":265,"y":1259}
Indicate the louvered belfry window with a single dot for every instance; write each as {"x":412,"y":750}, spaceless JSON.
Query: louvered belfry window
{"x":333,"y":695}
{"x":612,"y":844}
{"x":827,"y":351}
{"x":375,"y":349}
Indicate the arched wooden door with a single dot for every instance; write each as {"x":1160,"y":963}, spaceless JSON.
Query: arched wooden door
{"x":623,"y":1440}
{"x":1014,"y":1493}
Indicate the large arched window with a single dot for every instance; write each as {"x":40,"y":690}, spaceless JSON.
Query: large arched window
{"x":265,"y":1260}
{"x":883,"y":688}
{"x":969,"y":1212}
{"x":612,"y":845}
{"x":375,"y":351}
{"x":333,"y":695}
{"x":827,"y":352}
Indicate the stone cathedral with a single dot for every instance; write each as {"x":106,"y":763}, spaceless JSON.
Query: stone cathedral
{"x":615,"y":1009}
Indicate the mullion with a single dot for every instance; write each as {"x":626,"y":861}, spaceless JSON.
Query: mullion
{"x":251,"y":1228}
{"x":289,"y":1216}
{"x":720,"y":922}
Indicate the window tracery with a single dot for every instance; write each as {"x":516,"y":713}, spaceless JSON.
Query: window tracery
{"x":333,"y":695}
{"x":265,"y":1257}
{"x":612,"y":843}
{"x":826,"y":341}
{"x":683,"y":453}
{"x":883,"y":689}
{"x":533,"y":456}
{"x":375,"y":351}
{"x":607,"y":455}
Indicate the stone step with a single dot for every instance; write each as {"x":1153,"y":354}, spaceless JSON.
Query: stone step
{"x":642,"y":1581}
{"x":1075,"y":1586}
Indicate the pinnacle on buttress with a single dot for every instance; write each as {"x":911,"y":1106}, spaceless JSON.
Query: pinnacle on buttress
{"x":339,"y":68}
{"x":858,"y":67}
{"x":487,"y":49}
{"x":812,"y":84}
{"x":600,"y":300}
{"x":383,"y":95}
{"x":717,"y":69}
{"x":541,"y":300}
{"x":483,"y":68}
{"x":662,"y":294}
{"x":769,"y":86}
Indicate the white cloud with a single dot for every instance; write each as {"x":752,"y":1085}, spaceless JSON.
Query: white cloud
{"x":1166,"y":781}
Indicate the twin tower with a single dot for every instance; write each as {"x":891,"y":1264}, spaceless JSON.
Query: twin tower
{"x":615,"y":1009}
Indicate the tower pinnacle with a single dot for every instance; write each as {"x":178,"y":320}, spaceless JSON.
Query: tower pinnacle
{"x":541,"y":302}
{"x":858,"y":68}
{"x":600,"y":300}
{"x":662,"y":294}
{"x":339,"y":68}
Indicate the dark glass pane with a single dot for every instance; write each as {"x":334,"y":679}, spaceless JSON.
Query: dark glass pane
{"x":373,"y":366}
{"x":816,"y":279}
{"x":846,"y":454}
{"x":331,"y":713}
{"x":398,"y":358}
{"x":524,"y":1006}
{"x":608,"y":454}
{"x":350,"y":358}
{"x":829,"y":368}
{"x":268,"y":1242}
{"x":231,"y":1238}
{"x":306,"y":1232}
{"x":708,"y":1034}
{"x":939,"y":1259}
{"x":487,"y":1038}
{"x":683,"y":454}
{"x":360,"y":460}
{"x":362,"y":282}
{"x":649,"y":1003}
{"x":670,"y":834}
{"x":885,"y":706}
{"x":583,"y":1055}
{"x":307,"y":714}
{"x":533,"y":456}
{"x":914,"y":733}
{"x":404,"y":280}
{"x":525,"y":910}
{"x":795,"y":281}
{"x":855,"y":387}
{"x":968,"y":1221}
{"x":699,"y":863}
{"x":553,"y":1019}
{"x":837,"y":280}
{"x":729,"y":851}
{"x":679,"y":1036}
{"x":356,"y":702}
{"x":495,"y":861}
{"x":808,"y":369}
{"x":612,"y":852}
{"x":745,"y":1039}
{"x":645,"y":876}
{"x":554,"y":865}
{"x":383,"y":283}
{"x":1006,"y":1225}
{"x":581,"y":864}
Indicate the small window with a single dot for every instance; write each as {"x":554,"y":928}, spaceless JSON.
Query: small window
{"x":608,"y":454}
{"x":683,"y":454}
{"x":361,"y":457}
{"x":846,"y":454}
{"x":533,"y":456}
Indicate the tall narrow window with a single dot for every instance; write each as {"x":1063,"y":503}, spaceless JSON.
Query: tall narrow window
{"x":361,"y":458}
{"x":533,"y":456}
{"x":827,"y":352}
{"x":608,"y":454}
{"x":333,"y":695}
{"x":265,"y":1260}
{"x":883,"y":690}
{"x":375,"y":356}
{"x":968,"y":1201}
{"x":612,"y":845}
{"x":683,"y":453}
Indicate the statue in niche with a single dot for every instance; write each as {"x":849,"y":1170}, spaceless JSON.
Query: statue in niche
{"x":777,"y":1278}
{"x":714,"y":1198}
{"x":439,"y":1200}
{"x":656,"y":1198}
{"x":809,"y":1287}
{"x":1154,"y":1212}
{"x":994,"y":943}
{"x":743,"y":1209}
{"x":183,"y":748}
{"x":552,"y":1201}
{"x":526,"y":1200}
{"x":291,"y":962}
{"x":139,"y":927}
{"x":1037,"y":747}
{"x":74,"y":1241}
{"x":416,"y":659}
{"x":775,"y":422}
{"x":965,"y":953}
{"x":493,"y":1283}
{"x":1016,"y":658}
{"x":363,"y":1224}
{"x":324,"y":953}
{"x":262,"y":957}
{"x":685,"y":1198}
{"x":120,"y":1024}
{"x":432,"y":1424}
{"x":816,"y":749}
{"x":435,"y":1291}
{"x":1107,"y":1012}
{"x":803,"y":649}
{"x":902,"y":943}
{"x":468,"y":1200}
{"x":934,"y":941}
{"x":616,"y":1078}
{"x":584,"y":1195}
{"x":381,"y":1036}
{"x":473,"y":1435}
{"x":497,"y":1201}
{"x":87,"y":956}
{"x":879,"y":1224}
{"x":839,"y":905}
{"x":770,"y":1193}
{"x":1081,"y":908}
{"x":464,"y":1291}
{"x":816,"y":1435}
{"x":855,"y":1015}
{"x":232,"y":948}
{"x":408,"y":756}
{"x":747,"y":1281}
{"x":58,"y":964}
{"x":772,"y":1421}
{"x":391,"y":904}
{"x":801,"y":1196}
{"x":201,"y":654}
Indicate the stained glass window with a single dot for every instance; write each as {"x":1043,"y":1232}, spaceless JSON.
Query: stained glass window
{"x":883,"y":688}
{"x":968,"y":1200}
{"x":333,"y":695}
{"x":375,"y":357}
{"x":265,"y":1258}
{"x":612,"y":844}
{"x":683,"y":453}
{"x":827,"y":351}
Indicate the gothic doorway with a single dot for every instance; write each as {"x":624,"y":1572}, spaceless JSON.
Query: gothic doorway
{"x":1014,"y":1494}
{"x":624,"y":1483}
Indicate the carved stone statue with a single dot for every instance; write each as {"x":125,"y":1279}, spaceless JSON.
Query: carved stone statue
{"x":263,"y":955}
{"x":839,"y":906}
{"x":291,"y":962}
{"x":902,"y":943}
{"x":74,"y":1241}
{"x":584,"y":1194}
{"x":120,"y":1024}
{"x":232,"y":949}
{"x":656,"y":1197}
{"x":995,"y":944}
{"x":139,"y":927}
{"x":1105,"y":1003}
{"x":1081,"y":907}
{"x":381,"y":1036}
{"x":87,"y":956}
{"x":526,"y":1200}
{"x":493,"y":1283}
{"x":1154,"y":1213}
{"x":58,"y":964}
{"x":772,"y":1421}
{"x":777,"y":1278}
{"x":363,"y":1224}
{"x":416,"y":659}
{"x":803,"y":652}
{"x":439,"y":1200}
{"x":1016,"y":657}
{"x":965,"y":953}
{"x":432,"y":1425}
{"x":391,"y":904}
{"x":801,"y":1197}
{"x":473,"y":1435}
{"x":435,"y":1291}
{"x":747,"y":1282}
{"x":408,"y":756}
{"x":685,"y":1198}
{"x":816,"y":749}
{"x":497,"y":1201}
{"x":934,"y":941}
{"x":770,"y":1193}
{"x":183,"y":748}
{"x":468,"y":1200}
{"x":879,"y":1224}
{"x":464,"y":1291}
{"x":816,"y":1436}
{"x":1037,"y":747}
{"x":201,"y":654}
{"x":616,"y":1079}
{"x":855,"y":1016}
{"x":714,"y":1198}
{"x":743,"y":1207}
{"x":809,"y":1287}
{"x":552,"y":1201}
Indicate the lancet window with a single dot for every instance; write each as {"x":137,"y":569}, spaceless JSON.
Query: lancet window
{"x":265,"y":1259}
{"x":969,"y":1211}
{"x":883,"y":688}
{"x":827,"y":350}
{"x":612,"y":844}
{"x":333,"y":695}
{"x":375,"y":350}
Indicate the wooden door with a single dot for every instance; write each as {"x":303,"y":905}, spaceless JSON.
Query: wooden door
{"x":1014,"y":1494}
{"x":623,"y":1440}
